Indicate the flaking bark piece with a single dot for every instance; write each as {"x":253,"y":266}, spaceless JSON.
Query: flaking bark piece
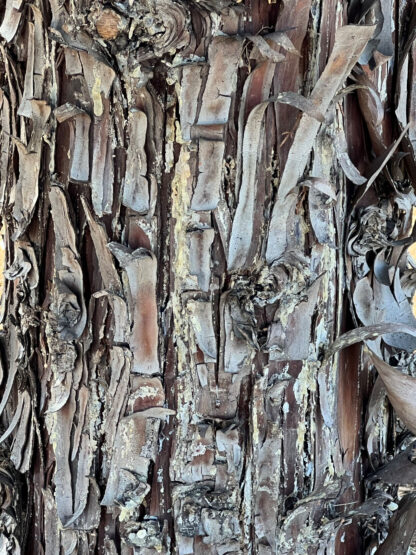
{"x":401,"y":390}
{"x":372,"y":110}
{"x":99,"y":78}
{"x":400,"y":470}
{"x":60,"y":428}
{"x":73,"y":64}
{"x":265,"y":49}
{"x":243,"y":228}
{"x":210,"y":162}
{"x":131,"y":454}
{"x":108,"y":272}
{"x":11,"y":19}
{"x":5,"y":123}
{"x":281,"y":39}
{"x":201,"y":319}
{"x":376,"y":422}
{"x":380,"y":49}
{"x":367,"y":333}
{"x":28,"y":91}
{"x":223,"y":57}
{"x":66,"y":33}
{"x":83,"y":396}
{"x":199,"y":465}
{"x":255,"y":91}
{"x":402,"y":528}
{"x":21,"y":413}
{"x":136,"y":187}
{"x":15,"y":357}
{"x":51,"y":523}
{"x":377,"y":304}
{"x":120,"y":326}
{"x":350,"y":41}
{"x":346,"y":164}
{"x":321,"y":214}
{"x":102,"y":168}
{"x":292,"y":341}
{"x":200,"y":242}
{"x":140,"y":266}
{"x":120,"y":365}
{"x":217,"y":397}
{"x":191,"y":83}
{"x":235,"y":348}
{"x":27,"y":189}
{"x":60,"y":390}
{"x":82,"y":482}
{"x":24,"y":265}
{"x":35,"y":66}
{"x":69,"y":314}
{"x":147,"y":393}
{"x":79,"y":139}
{"x":268,"y":461}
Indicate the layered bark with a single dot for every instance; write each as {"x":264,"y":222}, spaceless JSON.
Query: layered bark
{"x":199,"y":199}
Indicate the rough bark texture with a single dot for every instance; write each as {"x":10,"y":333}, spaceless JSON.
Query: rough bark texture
{"x":199,"y":199}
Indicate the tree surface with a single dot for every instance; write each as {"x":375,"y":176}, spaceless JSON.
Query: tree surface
{"x":208,"y":328}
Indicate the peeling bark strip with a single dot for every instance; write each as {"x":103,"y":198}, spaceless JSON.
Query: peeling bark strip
{"x":208,"y":318}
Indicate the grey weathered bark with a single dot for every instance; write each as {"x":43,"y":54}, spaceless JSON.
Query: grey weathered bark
{"x":199,"y":199}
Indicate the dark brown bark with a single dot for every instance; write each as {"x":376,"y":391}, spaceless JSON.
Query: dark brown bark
{"x":207,"y":209}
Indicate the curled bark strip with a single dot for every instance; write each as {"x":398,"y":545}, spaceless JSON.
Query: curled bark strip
{"x":242,"y":230}
{"x":5,"y":144}
{"x":367,"y":333}
{"x":24,"y":399}
{"x":256,"y":90}
{"x":401,"y":390}
{"x":22,"y":446}
{"x":16,"y":354}
{"x":378,"y":304}
{"x":382,"y":165}
{"x":265,"y":49}
{"x":348,"y":167}
{"x":350,"y":41}
{"x":24,"y":265}
{"x":306,"y":105}
{"x":214,"y":132}
{"x":60,"y":392}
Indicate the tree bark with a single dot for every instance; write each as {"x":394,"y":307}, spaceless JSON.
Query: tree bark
{"x":199,"y":199}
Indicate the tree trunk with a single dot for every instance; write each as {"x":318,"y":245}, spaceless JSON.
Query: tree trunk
{"x":199,"y":198}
